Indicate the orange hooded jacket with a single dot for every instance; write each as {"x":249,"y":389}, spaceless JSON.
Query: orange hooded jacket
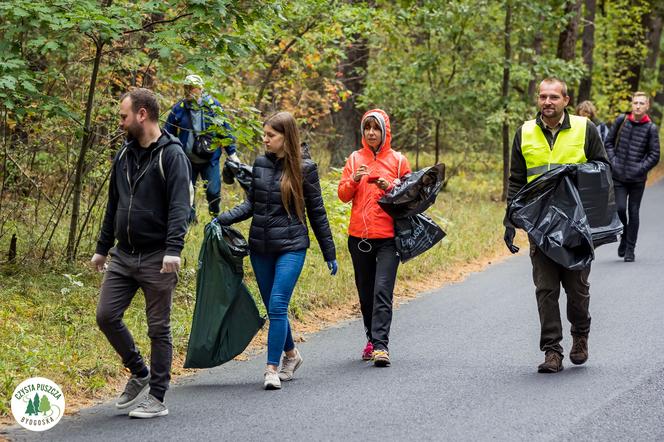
{"x":367,"y":218}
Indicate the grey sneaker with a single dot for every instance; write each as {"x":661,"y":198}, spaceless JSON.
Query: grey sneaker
{"x":271,"y":381}
{"x":289,"y":365}
{"x":133,"y":392}
{"x":150,"y":407}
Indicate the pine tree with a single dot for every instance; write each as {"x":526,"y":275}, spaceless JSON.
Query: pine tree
{"x":45,"y":404}
{"x":31,"y":409}
{"x":35,"y":403}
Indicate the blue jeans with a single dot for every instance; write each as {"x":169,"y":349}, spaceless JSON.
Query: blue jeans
{"x":209,"y":172}
{"x":277,"y":275}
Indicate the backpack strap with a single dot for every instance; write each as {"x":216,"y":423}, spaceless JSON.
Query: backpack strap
{"x":192,"y":191}
{"x":400,"y":157}
{"x":161,"y":164}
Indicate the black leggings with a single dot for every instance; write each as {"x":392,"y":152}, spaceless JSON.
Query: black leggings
{"x":375,"y":262}
{"x":628,"y":202}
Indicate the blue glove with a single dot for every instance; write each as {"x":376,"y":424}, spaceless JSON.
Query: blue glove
{"x":332,"y":265}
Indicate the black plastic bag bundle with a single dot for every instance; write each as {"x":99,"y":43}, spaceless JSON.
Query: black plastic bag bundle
{"x":241,"y":172}
{"x":225,"y":317}
{"x":415,"y":235}
{"x":567,"y":212}
{"x":595,"y":185}
{"x":414,"y":232}
{"x":416,"y":193}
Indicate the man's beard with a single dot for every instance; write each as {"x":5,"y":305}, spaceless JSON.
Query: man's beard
{"x":135,"y":131}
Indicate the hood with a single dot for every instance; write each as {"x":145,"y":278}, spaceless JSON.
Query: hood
{"x":164,"y":140}
{"x":645,"y":119}
{"x":384,"y":121}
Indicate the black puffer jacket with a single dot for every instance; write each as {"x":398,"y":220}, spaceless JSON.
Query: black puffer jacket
{"x":637,"y":151}
{"x":272,"y":230}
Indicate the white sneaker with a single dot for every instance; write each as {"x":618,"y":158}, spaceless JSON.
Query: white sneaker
{"x":272,"y":381}
{"x":289,"y":365}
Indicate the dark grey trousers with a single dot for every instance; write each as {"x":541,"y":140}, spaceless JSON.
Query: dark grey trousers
{"x":548,"y":276}
{"x":127,"y":273}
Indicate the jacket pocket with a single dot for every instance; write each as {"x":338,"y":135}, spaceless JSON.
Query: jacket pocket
{"x":146,"y":228}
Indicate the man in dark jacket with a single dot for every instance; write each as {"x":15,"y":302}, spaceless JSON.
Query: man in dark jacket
{"x":554,"y":138}
{"x":147,"y":211}
{"x":191,"y":116}
{"x":633,"y":149}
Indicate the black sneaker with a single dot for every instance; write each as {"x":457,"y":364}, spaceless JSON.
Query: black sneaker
{"x":621,"y":247}
{"x":629,"y":256}
{"x":134,"y":391}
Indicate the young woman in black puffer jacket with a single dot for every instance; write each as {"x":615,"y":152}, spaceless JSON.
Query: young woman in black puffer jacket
{"x":633,"y":149}
{"x":283,"y":187}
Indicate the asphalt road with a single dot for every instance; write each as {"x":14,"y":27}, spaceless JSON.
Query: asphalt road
{"x":464,"y":368}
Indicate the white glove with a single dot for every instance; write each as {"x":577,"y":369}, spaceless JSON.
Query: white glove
{"x":98,"y":261}
{"x":170,"y":264}
{"x":234,"y":157}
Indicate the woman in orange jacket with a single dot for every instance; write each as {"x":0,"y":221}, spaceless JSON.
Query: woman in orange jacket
{"x":369,"y":173}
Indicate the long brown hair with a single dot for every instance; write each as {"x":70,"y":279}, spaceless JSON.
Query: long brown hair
{"x":292,"y":194}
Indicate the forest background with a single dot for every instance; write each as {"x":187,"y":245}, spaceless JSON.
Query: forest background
{"x":457,"y":78}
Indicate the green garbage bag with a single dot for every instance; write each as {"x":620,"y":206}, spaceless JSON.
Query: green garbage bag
{"x":225,"y":317}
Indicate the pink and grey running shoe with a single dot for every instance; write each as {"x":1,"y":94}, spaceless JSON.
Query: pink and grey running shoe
{"x":367,"y":353}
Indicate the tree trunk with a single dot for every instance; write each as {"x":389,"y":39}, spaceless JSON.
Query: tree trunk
{"x":11,"y":254}
{"x":417,"y":142}
{"x":567,"y":38}
{"x":347,"y":120}
{"x":538,"y":40}
{"x":654,"y":37}
{"x":587,"y":48}
{"x":505,"y":96}
{"x":85,"y":145}
{"x":437,"y":141}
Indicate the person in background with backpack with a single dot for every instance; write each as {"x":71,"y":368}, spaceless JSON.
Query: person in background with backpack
{"x":369,"y":173}
{"x":190,"y":120}
{"x":587,"y":109}
{"x":283,"y":187}
{"x":147,"y":210}
{"x":633,"y":149}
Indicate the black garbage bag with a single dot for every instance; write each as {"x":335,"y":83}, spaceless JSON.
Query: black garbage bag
{"x":234,"y":170}
{"x":225,"y":317}
{"x":416,"y":193}
{"x":415,"y":235}
{"x":567,"y":212}
{"x":595,"y":185}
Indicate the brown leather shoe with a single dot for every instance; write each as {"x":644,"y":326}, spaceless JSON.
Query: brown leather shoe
{"x":553,"y":363}
{"x":579,"y":353}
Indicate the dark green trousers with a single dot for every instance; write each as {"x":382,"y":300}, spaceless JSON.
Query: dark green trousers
{"x":548,"y":276}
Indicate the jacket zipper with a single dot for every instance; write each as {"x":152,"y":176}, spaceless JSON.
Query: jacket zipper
{"x":131,"y":197}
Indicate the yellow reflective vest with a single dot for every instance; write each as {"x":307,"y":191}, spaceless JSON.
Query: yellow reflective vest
{"x":568,"y":148}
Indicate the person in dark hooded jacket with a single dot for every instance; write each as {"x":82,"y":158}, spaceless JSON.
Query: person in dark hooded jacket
{"x":633,"y":149}
{"x":283,"y":187}
{"x":143,"y":231}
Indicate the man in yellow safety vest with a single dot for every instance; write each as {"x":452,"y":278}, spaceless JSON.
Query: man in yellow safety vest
{"x":552,"y":139}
